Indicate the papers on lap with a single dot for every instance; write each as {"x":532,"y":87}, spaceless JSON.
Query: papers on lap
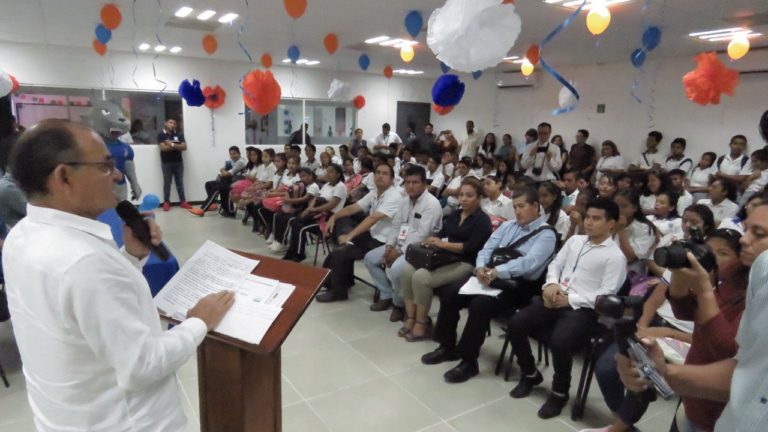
{"x":211,"y":269}
{"x":475,"y":287}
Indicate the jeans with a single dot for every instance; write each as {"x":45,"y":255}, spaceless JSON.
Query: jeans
{"x":171,"y":171}
{"x":627,"y":406}
{"x":387,"y":281}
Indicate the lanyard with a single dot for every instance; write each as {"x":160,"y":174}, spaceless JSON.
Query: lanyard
{"x":581,"y":254}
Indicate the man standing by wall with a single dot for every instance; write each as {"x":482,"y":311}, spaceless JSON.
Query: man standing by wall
{"x":172,"y":143}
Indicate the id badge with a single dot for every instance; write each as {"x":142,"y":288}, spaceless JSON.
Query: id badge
{"x":565,"y":284}
{"x":403,"y":232}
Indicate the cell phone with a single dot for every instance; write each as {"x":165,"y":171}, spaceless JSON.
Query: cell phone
{"x":541,"y":149}
{"x":648,"y":369}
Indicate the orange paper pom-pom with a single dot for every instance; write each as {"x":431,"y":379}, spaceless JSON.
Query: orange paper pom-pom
{"x":214,"y":97}
{"x":704,"y":84}
{"x":261,"y":92}
{"x":441,"y":110}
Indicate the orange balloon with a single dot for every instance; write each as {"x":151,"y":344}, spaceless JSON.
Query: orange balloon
{"x":99,"y":47}
{"x":261,"y":92}
{"x":359,"y":101}
{"x":266,"y":60}
{"x":441,"y":110}
{"x":388,"y":71}
{"x":331,"y":43}
{"x":210,"y":44}
{"x":533,"y":54}
{"x":295,"y":8}
{"x":111,"y":16}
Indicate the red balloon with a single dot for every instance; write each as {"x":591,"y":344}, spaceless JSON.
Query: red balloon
{"x":266,"y":60}
{"x":261,"y":92}
{"x":111,"y":16}
{"x":99,"y":47}
{"x":388,"y":72}
{"x":533,"y":54}
{"x":295,"y":8}
{"x":14,"y":84}
{"x":441,"y":110}
{"x":711,"y":78}
{"x":359,"y":101}
{"x":210,"y":43}
{"x":331,"y":43}
{"x":214,"y":97}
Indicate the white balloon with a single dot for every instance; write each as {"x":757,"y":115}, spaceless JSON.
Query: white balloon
{"x":566,"y":98}
{"x":471,"y":35}
{"x":339,"y":90}
{"x":6,"y":85}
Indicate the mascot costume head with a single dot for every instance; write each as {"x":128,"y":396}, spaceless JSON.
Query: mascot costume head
{"x":108,"y":120}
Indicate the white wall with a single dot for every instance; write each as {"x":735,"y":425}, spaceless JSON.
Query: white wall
{"x":664,"y":106}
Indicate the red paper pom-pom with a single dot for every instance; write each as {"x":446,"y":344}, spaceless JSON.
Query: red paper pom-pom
{"x":261,"y":92}
{"x":441,"y":110}
{"x":704,"y":84}
{"x":214,"y":97}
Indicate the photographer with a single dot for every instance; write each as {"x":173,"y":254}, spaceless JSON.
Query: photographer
{"x":741,"y":381}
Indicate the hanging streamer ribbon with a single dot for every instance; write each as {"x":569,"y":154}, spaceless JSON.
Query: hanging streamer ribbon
{"x":549,"y":68}
{"x":635,"y":82}
{"x":154,"y":59}
{"x":244,"y":49}
{"x":133,"y":46}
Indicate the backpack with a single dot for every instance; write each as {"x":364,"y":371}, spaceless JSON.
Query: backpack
{"x":744,"y":161}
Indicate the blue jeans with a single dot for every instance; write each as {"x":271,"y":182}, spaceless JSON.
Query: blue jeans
{"x":173,"y":171}
{"x":627,"y":406}
{"x":387,"y":281}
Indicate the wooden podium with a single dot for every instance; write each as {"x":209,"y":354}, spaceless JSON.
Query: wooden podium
{"x":239,"y":383}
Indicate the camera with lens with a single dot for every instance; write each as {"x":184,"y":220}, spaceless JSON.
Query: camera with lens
{"x":675,"y":256}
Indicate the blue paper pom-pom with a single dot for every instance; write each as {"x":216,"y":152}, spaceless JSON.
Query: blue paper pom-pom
{"x":191,"y":93}
{"x":447,"y":91}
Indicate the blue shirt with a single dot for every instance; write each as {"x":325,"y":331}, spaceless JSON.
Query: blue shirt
{"x":536,"y":252}
{"x":121,"y":152}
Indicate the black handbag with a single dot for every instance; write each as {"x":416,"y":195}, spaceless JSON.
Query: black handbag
{"x":429,"y":257}
{"x":506,"y":254}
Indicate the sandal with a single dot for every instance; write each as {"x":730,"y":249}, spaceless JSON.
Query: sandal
{"x":410,"y":337}
{"x":405,"y":330}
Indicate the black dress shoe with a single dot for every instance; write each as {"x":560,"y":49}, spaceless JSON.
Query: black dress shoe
{"x":441,"y":354}
{"x":331,"y":296}
{"x":397,"y":314}
{"x":464,"y":371}
{"x":381,"y":305}
{"x":526,"y":384}
{"x":553,"y":406}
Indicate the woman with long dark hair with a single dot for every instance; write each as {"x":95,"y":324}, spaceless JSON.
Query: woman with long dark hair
{"x":634,"y":233}
{"x":488,"y":147}
{"x":550,"y":200}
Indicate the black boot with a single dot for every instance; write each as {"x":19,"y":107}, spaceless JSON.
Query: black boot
{"x":332,"y":295}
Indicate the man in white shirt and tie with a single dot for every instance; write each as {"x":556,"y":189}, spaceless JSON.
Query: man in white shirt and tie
{"x":587,"y":266}
{"x":95,"y":355}
{"x":541,"y":159}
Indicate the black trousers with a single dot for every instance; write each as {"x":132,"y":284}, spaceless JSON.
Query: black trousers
{"x":281,"y":225}
{"x":220,"y":185}
{"x":482,"y":309}
{"x":566,"y":329}
{"x":297,"y":241}
{"x":341,"y":260}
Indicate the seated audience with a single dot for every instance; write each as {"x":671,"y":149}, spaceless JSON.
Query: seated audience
{"x":296,"y":198}
{"x":320,"y":170}
{"x":606,"y":187}
{"x":656,"y":182}
{"x":677,"y":158}
{"x":366,"y":180}
{"x":385,"y":138}
{"x":417,"y":219}
{"x":488,"y":146}
{"x":550,"y":201}
{"x":582,"y":158}
{"x":610,"y":162}
{"x":343,"y":154}
{"x":570,"y":189}
{"x":503,"y":167}
{"x":623,"y":181}
{"x":253,"y":155}
{"x":309,"y":151}
{"x":520,"y":278}
{"x":464,"y":233}
{"x":701,"y":176}
{"x":757,"y":181}
{"x":668,"y":222}
{"x":451,"y":192}
{"x":677,"y":185}
{"x":737,"y":223}
{"x":353,"y":179}
{"x":379,"y":206}
{"x":435,"y":177}
{"x":448,"y":164}
{"x":634,"y":233}
{"x":722,"y":197}
{"x":362,"y":153}
{"x":283,"y":179}
{"x":219,"y":188}
{"x":542,"y":160}
{"x":494,"y":203}
{"x":652,"y":158}
{"x":587,"y":266}
{"x":577,"y":212}
{"x":356,"y":142}
{"x":13,"y":202}
{"x":735,"y":166}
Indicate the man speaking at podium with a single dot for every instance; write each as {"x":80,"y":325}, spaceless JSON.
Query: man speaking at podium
{"x":94,"y":353}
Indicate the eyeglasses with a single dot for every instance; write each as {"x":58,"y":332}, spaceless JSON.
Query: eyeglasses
{"x":106,"y":167}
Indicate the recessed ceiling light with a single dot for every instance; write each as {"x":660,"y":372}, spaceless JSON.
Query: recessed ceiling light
{"x":520,"y":61}
{"x":205,"y":15}
{"x":573,"y":4}
{"x":183,"y":11}
{"x":377,"y":39}
{"x":313,"y":62}
{"x":286,"y":60}
{"x":175,"y":50}
{"x":510,"y":58}
{"x":143,"y":47}
{"x":301,"y":61}
{"x":408,"y":72}
{"x":404,"y":43}
{"x":228,"y":18}
{"x":724,"y":34}
{"x":160,"y":48}
{"x":390,"y":42}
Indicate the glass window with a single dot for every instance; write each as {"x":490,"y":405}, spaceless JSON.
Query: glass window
{"x":328,"y":122}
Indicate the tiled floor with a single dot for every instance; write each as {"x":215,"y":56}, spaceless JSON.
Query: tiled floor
{"x":344,"y":368}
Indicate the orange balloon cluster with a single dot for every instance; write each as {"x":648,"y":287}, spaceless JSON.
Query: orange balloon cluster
{"x":441,"y":110}
{"x":210,"y":43}
{"x":214,"y":97}
{"x":261,"y":92}
{"x":99,"y":47}
{"x":111,"y":16}
{"x":359,"y":101}
{"x":331,"y":43}
{"x":295,"y":8}
{"x":704,"y":84}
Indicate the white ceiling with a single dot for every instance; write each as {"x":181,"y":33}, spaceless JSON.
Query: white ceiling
{"x":269,"y":29}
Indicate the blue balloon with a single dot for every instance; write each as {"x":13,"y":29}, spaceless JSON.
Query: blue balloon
{"x":149,"y":203}
{"x":294,"y":53}
{"x":638,"y":57}
{"x":103,"y":34}
{"x":364,"y":61}
{"x":477,"y":74}
{"x":413,"y":23}
{"x":651,"y":37}
{"x":447,"y":91}
{"x":444,"y":67}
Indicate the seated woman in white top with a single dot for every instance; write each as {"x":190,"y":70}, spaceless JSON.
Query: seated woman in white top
{"x":737,"y":222}
{"x":265,"y":177}
{"x":325,"y":162}
{"x":634,"y":233}
{"x":722,"y":194}
{"x":610,"y":162}
{"x":656,"y":182}
{"x":666,"y":219}
{"x":606,"y":187}
{"x":550,"y":200}
{"x":251,"y":170}
{"x":701,"y":175}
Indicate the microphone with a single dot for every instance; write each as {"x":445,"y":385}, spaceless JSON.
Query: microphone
{"x":135,"y":221}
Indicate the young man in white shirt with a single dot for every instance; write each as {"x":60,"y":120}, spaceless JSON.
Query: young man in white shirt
{"x":380,"y":206}
{"x":759,"y":178}
{"x":435,"y":176}
{"x":542,"y":159}
{"x":652,"y":157}
{"x":385,"y":138}
{"x":94,"y":353}
{"x":310,"y":150}
{"x":495,"y":204}
{"x":677,"y":158}
{"x":570,"y":189}
{"x":587,"y":266}
{"x":471,"y":142}
{"x":735,"y":166}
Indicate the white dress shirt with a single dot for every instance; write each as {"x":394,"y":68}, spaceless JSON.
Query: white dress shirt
{"x":642,"y":243}
{"x":339,"y":190}
{"x":469,"y":145}
{"x":684,"y":163}
{"x":539,"y":159}
{"x":758,"y":184}
{"x":608,"y":162}
{"x":423,"y":219}
{"x":265,"y":173}
{"x":500,"y":207}
{"x":387,"y":203}
{"x":452,"y":201}
{"x":700,"y":177}
{"x":684,"y":201}
{"x":646,"y":159}
{"x":95,"y":355}
{"x":670,"y":229}
{"x":734,"y":166}
{"x":585,"y":270}
{"x":386,"y":140}
{"x":727,"y":209}
{"x":438,"y":179}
